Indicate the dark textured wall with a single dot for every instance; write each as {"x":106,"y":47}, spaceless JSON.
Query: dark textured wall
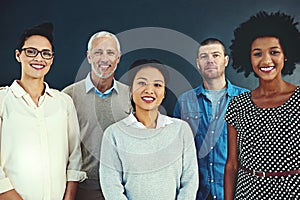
{"x":168,"y":30}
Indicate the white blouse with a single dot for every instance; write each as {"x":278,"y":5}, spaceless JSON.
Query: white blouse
{"x":40,"y":145}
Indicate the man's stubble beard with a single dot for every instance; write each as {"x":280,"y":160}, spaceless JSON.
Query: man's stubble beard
{"x":99,"y":75}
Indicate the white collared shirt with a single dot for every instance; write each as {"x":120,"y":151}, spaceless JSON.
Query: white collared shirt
{"x":89,"y":85}
{"x":40,"y":144}
{"x":162,"y":121}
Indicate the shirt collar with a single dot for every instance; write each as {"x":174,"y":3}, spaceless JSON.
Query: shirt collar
{"x":18,"y":91}
{"x":89,"y":84}
{"x":162,"y":121}
{"x":201,"y":90}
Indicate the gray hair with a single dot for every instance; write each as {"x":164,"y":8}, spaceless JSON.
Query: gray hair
{"x":104,"y":34}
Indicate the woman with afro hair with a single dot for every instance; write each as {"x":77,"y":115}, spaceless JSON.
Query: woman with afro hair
{"x":264,"y":124}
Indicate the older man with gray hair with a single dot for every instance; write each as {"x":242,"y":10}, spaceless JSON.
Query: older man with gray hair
{"x":100,"y":100}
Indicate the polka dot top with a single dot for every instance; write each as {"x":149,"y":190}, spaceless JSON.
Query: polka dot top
{"x":268,"y":141}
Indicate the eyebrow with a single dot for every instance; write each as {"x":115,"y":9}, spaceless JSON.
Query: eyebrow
{"x":99,"y":49}
{"x":36,"y":49}
{"x":210,"y":53}
{"x":275,"y":47}
{"x":142,"y":78}
{"x":217,"y":52}
{"x":158,"y":81}
{"x":147,"y":79}
{"x":256,"y":49}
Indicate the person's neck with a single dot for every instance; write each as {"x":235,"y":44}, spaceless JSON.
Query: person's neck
{"x":102,"y":84}
{"x":214,"y":84}
{"x":270,"y":88}
{"x":147,"y":118}
{"x":34,"y":87}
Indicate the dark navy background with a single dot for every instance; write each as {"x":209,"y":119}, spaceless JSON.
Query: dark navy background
{"x":75,"y":21}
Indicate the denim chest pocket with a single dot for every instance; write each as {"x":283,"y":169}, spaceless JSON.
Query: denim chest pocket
{"x":193,"y":119}
{"x":191,"y":116}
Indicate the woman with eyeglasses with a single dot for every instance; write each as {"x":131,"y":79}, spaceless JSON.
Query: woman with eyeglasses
{"x":40,"y":156}
{"x":148,"y":155}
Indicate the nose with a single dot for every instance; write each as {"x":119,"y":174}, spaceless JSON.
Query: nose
{"x":149,"y":88}
{"x":266,"y":59}
{"x":38,"y":56}
{"x":104,"y":57}
{"x":210,"y":59}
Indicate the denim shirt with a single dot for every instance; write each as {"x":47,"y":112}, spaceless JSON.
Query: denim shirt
{"x":210,"y":136}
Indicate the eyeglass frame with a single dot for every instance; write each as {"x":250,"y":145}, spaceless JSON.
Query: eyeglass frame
{"x":38,"y":52}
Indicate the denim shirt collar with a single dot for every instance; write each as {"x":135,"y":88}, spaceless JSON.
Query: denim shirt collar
{"x":230,"y":91}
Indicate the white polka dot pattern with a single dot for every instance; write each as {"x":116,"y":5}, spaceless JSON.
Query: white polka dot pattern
{"x":268,"y":141}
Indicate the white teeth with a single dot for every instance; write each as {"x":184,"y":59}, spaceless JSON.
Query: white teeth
{"x":104,"y":67}
{"x":148,"y":98}
{"x":266,"y":69}
{"x":38,"y":66}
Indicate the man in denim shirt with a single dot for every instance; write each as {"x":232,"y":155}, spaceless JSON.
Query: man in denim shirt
{"x":204,"y":108}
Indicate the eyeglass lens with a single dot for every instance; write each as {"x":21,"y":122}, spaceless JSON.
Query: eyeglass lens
{"x":32,"y":52}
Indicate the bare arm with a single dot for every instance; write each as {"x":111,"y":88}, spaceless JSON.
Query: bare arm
{"x":10,"y":195}
{"x":231,"y":166}
{"x":71,"y":189}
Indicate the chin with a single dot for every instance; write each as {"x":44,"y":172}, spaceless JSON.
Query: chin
{"x":148,"y":108}
{"x":104,"y":76}
{"x":152,"y":109}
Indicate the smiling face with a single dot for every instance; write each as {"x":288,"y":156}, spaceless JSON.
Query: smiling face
{"x":212,"y":61}
{"x":267,"y":58}
{"x":35,"y":67}
{"x":148,"y":89}
{"x":103,"y":56}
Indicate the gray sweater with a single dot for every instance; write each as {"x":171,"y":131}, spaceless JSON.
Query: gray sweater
{"x":95,"y":115}
{"x":149,"y":164}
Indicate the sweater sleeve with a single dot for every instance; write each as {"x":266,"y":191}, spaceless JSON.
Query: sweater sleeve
{"x":111,"y":168}
{"x":189,"y":180}
{"x":75,"y":159}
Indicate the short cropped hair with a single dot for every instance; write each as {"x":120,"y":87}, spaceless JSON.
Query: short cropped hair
{"x":44,"y":29}
{"x":208,"y":41}
{"x":263,"y":24}
{"x":103,"y":34}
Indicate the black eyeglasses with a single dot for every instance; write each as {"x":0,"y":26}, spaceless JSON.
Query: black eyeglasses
{"x":33,"y":52}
